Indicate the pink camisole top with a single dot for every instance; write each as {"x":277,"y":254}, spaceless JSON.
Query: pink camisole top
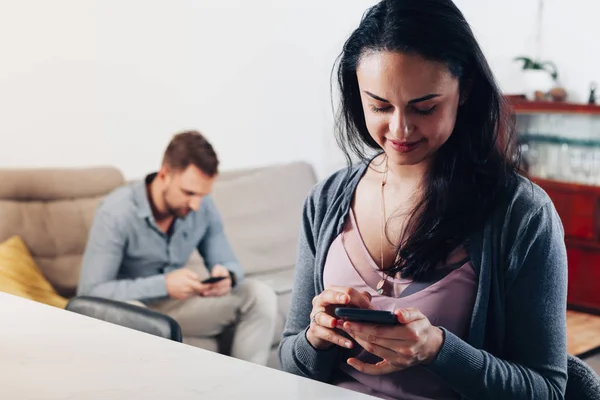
{"x":446,"y":299}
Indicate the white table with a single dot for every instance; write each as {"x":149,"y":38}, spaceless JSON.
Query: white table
{"x":52,"y":354}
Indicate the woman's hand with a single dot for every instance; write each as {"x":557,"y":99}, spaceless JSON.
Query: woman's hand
{"x":413,"y":341}
{"x":321,"y":334}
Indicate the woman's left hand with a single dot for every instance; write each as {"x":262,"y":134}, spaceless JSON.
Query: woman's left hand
{"x":413,"y":341}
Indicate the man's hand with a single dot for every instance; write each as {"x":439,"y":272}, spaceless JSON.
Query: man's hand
{"x":183,"y":284}
{"x":220,"y":288}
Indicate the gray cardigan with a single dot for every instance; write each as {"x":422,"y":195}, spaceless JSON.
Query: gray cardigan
{"x":516,"y":345}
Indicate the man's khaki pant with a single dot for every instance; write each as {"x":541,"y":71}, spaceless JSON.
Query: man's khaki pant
{"x":251,"y":308}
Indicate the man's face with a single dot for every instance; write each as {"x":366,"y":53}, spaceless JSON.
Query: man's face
{"x":185,"y":189}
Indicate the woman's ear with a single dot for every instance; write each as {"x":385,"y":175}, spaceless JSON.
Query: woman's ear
{"x":465,"y":90}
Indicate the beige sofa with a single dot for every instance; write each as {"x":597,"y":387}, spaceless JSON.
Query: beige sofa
{"x":52,"y":210}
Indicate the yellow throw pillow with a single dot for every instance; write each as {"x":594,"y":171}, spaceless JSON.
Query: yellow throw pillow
{"x":20,"y":276}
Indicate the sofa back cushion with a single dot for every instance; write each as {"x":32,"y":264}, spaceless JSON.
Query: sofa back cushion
{"x":262,"y":211}
{"x":52,"y":211}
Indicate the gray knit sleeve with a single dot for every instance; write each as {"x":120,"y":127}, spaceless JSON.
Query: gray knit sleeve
{"x":534,"y":365}
{"x":296,"y":354}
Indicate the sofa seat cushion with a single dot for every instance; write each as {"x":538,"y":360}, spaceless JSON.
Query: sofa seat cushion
{"x":20,"y":276}
{"x":283,"y":301}
{"x":281,"y":282}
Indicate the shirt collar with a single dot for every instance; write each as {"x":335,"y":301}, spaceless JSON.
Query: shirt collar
{"x":140,"y":195}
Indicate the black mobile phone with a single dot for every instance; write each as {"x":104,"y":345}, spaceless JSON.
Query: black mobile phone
{"x":368,"y":316}
{"x":214,"y":279}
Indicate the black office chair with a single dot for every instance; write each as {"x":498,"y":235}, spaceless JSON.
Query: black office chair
{"x":127,"y":315}
{"x":583,"y":383}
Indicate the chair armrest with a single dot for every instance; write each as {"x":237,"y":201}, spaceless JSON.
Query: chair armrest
{"x":583,"y":382}
{"x":127,"y":315}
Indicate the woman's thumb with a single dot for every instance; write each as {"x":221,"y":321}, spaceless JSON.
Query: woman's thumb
{"x":367,"y":295}
{"x":407,"y":315}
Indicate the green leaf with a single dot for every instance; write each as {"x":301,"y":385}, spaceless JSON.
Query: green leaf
{"x":553,"y":70}
{"x":547,"y":66}
{"x":527,"y":62}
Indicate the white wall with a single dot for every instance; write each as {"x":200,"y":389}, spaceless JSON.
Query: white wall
{"x":506,"y":29}
{"x":96,"y":82}
{"x":93,"y":82}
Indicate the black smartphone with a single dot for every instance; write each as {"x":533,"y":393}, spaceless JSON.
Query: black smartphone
{"x":214,"y":279}
{"x":368,"y":316}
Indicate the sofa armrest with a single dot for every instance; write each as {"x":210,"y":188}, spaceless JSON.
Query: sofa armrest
{"x":127,"y":315}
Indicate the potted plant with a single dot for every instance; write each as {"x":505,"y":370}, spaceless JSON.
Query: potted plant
{"x":539,"y":76}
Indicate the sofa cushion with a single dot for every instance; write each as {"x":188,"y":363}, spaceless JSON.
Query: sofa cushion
{"x":281,"y":282}
{"x":55,"y":231}
{"x":57,"y":183}
{"x":20,"y":276}
{"x":284,"y":301}
{"x":261,"y":211}
{"x":52,"y":211}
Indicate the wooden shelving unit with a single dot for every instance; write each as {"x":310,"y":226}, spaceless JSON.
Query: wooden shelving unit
{"x":578,"y":206}
{"x":579,"y":209}
{"x":523,"y":106}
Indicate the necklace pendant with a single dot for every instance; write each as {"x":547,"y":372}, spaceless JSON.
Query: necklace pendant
{"x":380,"y":286}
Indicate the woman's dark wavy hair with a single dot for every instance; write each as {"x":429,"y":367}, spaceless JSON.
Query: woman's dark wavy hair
{"x":477,"y":164}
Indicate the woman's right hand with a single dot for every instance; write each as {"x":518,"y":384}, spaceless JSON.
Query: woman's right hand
{"x":322,"y":334}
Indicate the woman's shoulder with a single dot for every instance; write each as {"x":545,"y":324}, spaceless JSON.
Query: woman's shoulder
{"x":524,"y":204}
{"x":337,"y":184}
{"x":524,"y":224}
{"x":526,"y":197}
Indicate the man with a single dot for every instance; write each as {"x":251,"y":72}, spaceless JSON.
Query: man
{"x":143,"y":235}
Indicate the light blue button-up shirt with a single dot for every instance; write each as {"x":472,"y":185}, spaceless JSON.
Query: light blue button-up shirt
{"x":127,"y":255}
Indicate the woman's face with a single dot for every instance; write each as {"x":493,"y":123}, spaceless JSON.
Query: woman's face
{"x":410,"y":104}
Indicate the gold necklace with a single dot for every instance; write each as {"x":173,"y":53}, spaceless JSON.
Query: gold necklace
{"x":383,"y":182}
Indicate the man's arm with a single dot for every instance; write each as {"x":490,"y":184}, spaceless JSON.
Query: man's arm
{"x":102,"y":260}
{"x":214,"y":246}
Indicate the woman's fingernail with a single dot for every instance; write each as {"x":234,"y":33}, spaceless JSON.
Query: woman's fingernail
{"x":348,"y":344}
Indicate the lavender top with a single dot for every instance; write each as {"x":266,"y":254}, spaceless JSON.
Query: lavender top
{"x":446,"y":299}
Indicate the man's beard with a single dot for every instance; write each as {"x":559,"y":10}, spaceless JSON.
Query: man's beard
{"x":177,"y":212}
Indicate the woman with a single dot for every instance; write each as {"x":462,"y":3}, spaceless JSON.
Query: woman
{"x":437,"y":226}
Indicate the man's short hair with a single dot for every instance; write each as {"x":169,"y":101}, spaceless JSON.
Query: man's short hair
{"x":190,"y":147}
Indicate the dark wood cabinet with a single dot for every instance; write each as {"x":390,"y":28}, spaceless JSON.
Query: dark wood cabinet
{"x":579,"y":209}
{"x":552,"y":128}
{"x":584,"y":275}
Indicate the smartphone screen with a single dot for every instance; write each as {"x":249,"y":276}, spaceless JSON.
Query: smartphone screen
{"x":368,"y":316}
{"x":214,"y":279}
